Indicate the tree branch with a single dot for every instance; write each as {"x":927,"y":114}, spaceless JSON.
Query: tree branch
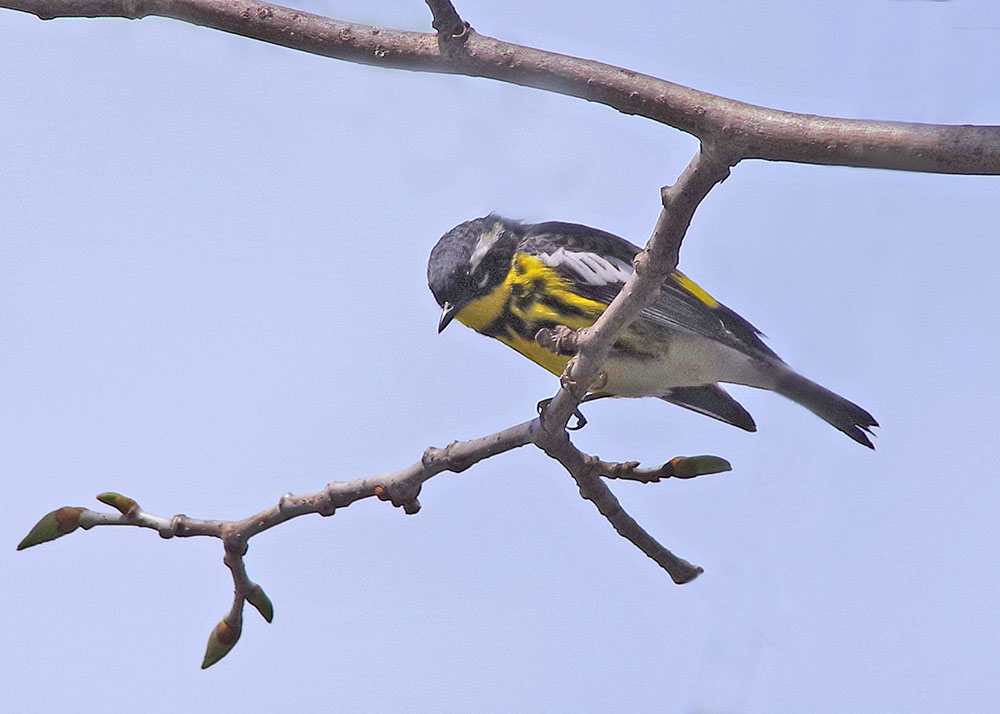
{"x":749,"y":131}
{"x":652,"y":266}
{"x":729,"y":132}
{"x":586,"y":471}
{"x":401,"y":488}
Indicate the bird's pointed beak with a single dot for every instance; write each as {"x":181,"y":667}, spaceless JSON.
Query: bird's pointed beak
{"x":448,"y":312}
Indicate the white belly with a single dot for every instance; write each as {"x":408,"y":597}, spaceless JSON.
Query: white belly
{"x":690,"y":361}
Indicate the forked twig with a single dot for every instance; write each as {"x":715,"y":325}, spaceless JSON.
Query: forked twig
{"x":729,"y":132}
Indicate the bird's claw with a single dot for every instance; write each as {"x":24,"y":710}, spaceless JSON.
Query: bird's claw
{"x":581,"y":420}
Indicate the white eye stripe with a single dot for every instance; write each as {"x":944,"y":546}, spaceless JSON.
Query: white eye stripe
{"x":591,"y":268}
{"x":483,"y":247}
{"x":486,"y":279}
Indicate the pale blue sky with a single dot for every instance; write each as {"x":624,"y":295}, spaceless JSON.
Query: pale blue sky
{"x":212,"y":291}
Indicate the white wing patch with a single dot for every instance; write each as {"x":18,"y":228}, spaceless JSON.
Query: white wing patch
{"x":591,"y":268}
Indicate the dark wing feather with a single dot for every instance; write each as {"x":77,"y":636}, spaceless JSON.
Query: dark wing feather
{"x":687,"y":311}
{"x":712,"y":400}
{"x":599,"y":263}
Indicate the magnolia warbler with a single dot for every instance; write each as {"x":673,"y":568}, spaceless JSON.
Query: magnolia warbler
{"x":507,"y":280}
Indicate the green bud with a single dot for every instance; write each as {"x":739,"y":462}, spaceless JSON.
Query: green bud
{"x":261,"y":601}
{"x":122,"y":504}
{"x":53,"y":525}
{"x":221,"y":641}
{"x":691,"y":466}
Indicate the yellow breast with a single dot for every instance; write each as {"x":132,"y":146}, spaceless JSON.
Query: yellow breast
{"x":532,"y":296}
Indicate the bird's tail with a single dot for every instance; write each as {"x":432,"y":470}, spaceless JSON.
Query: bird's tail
{"x":832,"y":408}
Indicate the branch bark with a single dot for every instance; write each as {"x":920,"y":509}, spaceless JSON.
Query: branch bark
{"x":749,"y":131}
{"x":447,"y":22}
{"x":659,"y":259}
{"x":401,"y":488}
{"x":730,"y":131}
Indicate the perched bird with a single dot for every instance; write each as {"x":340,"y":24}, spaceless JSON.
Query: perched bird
{"x":507,"y":279}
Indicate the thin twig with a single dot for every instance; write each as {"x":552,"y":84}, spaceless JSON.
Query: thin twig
{"x":399,"y":487}
{"x":729,"y":131}
{"x":451,"y":29}
{"x":586,"y":472}
{"x":652,"y":266}
{"x":678,"y":467}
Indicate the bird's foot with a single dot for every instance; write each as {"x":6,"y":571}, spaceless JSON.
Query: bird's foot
{"x":581,"y":420}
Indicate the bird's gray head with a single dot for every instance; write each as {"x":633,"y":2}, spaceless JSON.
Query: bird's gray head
{"x":469,"y":261}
